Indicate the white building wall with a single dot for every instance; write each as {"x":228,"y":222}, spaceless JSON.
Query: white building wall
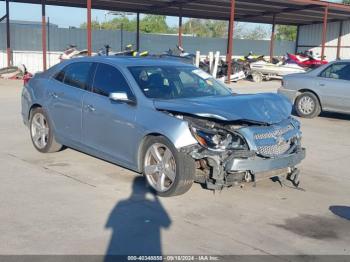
{"x":31,"y":59}
{"x":310,"y":38}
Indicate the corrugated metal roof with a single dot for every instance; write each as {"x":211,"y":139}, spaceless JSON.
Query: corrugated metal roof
{"x":293,"y":12}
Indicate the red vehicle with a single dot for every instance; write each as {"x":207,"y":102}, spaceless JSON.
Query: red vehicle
{"x":307,"y":60}
{"x":27,"y":76}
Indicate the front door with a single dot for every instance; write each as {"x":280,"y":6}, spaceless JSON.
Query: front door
{"x":334,"y":87}
{"x":109,"y":126}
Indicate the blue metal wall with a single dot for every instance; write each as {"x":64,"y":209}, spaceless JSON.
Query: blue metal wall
{"x":29,"y":39}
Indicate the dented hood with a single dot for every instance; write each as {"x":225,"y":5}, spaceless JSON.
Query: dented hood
{"x":262,"y":108}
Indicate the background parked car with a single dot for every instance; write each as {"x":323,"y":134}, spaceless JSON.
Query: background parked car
{"x":326,"y":88}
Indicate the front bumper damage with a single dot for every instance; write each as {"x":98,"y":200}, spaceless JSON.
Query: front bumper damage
{"x":269,"y":151}
{"x":219,"y":170}
{"x":257,"y":165}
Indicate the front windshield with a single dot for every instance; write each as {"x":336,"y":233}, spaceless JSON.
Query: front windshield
{"x":173,"y":82}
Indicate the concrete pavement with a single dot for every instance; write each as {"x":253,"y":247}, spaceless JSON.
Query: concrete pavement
{"x":72,"y":203}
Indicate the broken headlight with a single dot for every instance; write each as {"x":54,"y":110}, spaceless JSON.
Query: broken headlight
{"x":218,"y":140}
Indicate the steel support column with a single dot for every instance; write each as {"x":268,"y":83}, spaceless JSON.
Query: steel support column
{"x":43,"y":32}
{"x":272,"y":42}
{"x":121,"y":37}
{"x":297,"y":40}
{"x":341,"y":25}
{"x":324,"y":32}
{"x":231,"y":29}
{"x":138,"y":32}
{"x":180,"y":27}
{"x":88,"y":27}
{"x":8,"y":36}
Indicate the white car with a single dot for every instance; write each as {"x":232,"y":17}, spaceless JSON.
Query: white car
{"x":326,"y":88}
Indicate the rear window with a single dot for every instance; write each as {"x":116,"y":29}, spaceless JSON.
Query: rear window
{"x":76,"y":75}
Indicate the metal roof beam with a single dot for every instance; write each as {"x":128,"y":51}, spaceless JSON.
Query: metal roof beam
{"x":173,"y":3}
{"x":283,"y":11}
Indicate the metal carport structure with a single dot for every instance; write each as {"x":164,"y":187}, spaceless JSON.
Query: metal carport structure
{"x":283,"y":12}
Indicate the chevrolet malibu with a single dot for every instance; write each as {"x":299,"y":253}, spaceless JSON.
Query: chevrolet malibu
{"x":168,"y":120}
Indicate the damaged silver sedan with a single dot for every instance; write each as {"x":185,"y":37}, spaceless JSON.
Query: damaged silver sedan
{"x":170,"y":121}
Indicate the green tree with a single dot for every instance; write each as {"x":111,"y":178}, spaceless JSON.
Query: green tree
{"x":94,"y":25}
{"x":116,"y":23}
{"x":286,"y":33}
{"x":205,"y":28}
{"x":257,"y":33}
{"x":154,"y":24}
{"x":148,"y":24}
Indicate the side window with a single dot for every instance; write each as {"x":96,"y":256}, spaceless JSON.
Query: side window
{"x":337,"y":71}
{"x":108,"y":80}
{"x":344,"y":74}
{"x":60,"y":76}
{"x":187,"y":80}
{"x":77,"y":74}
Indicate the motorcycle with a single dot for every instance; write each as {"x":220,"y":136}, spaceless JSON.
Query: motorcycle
{"x":307,"y":59}
{"x":71,"y":52}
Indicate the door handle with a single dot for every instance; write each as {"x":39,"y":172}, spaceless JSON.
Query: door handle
{"x":53,"y":94}
{"x":320,"y":84}
{"x":90,"y":108}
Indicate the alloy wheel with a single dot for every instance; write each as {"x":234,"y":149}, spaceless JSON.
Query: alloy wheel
{"x":40,"y":130}
{"x":160,"y":167}
{"x":306,"y":105}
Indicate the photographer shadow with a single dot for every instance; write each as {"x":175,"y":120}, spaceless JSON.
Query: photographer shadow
{"x":136,"y":224}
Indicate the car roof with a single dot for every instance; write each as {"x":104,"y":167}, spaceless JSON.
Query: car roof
{"x":127,"y":61}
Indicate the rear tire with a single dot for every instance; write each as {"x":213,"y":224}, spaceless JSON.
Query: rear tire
{"x":177,"y":169}
{"x":307,"y":105}
{"x":41,"y":132}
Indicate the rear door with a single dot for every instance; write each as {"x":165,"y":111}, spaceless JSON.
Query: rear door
{"x":65,"y":94}
{"x":333,"y":86}
{"x":108,"y":126}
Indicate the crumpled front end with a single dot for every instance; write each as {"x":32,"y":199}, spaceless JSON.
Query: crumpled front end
{"x":230,"y":154}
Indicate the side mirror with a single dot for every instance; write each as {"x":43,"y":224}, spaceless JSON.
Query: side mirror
{"x":121,"y":97}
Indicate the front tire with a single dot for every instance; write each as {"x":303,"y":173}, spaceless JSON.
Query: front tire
{"x":168,"y":172}
{"x":307,"y":105}
{"x":41,"y":132}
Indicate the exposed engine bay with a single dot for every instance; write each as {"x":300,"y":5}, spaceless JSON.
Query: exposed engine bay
{"x":232,"y":153}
